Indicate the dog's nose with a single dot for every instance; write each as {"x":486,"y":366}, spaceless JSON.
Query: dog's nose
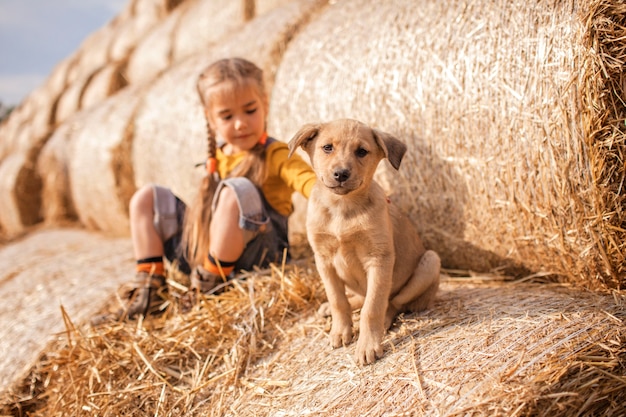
{"x":341,"y":175}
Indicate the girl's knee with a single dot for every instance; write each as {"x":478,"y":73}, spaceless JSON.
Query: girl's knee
{"x":142,"y":200}
{"x":227,"y":202}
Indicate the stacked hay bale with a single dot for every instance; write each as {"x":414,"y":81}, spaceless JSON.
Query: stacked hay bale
{"x":197,"y":29}
{"x":104,"y":82}
{"x":191,"y":28}
{"x":21,"y":138}
{"x":170,"y":128}
{"x":511,"y":112}
{"x":154,"y":133}
{"x":52,"y":167}
{"x":100,"y":175}
{"x":258,"y":350}
{"x":152,"y":54}
{"x":144,"y":15}
{"x":78,"y":82}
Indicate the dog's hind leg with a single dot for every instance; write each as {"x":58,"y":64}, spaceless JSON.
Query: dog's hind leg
{"x":419,"y":292}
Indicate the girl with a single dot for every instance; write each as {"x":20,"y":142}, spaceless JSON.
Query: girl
{"x":239,"y":218}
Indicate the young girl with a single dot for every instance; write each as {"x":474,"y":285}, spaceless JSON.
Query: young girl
{"x":239,"y":218}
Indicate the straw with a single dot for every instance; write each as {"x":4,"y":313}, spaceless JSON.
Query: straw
{"x":512,"y":115}
{"x":488,"y":347}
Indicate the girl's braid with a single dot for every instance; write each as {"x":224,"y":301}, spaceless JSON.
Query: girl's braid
{"x":211,"y":162}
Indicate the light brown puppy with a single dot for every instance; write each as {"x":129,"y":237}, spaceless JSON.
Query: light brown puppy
{"x":367,"y":252}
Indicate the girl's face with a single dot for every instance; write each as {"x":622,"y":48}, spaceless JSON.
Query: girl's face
{"x":237,"y":115}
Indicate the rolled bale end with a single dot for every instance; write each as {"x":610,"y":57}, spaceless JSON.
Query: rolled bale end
{"x":11,"y":128}
{"x":201,"y":25}
{"x":169,"y":131}
{"x":105,"y":82}
{"x":152,"y":55}
{"x":20,"y":194}
{"x":129,"y":32}
{"x":52,"y":166}
{"x":604,"y":86}
{"x":68,"y":102}
{"x":278,"y":21}
{"x":40,"y":120}
{"x":491,"y":101}
{"x":100,"y":171}
{"x":93,"y":51}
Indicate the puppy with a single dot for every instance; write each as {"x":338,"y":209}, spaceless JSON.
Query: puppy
{"x":367,"y":252}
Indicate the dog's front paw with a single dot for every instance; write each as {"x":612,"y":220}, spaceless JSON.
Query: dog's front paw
{"x":368,"y":349}
{"x":340,"y":335}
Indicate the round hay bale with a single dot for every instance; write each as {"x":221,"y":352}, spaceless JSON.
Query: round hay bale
{"x":46,"y":275}
{"x":104,"y":83}
{"x":156,"y":8}
{"x":32,"y":116}
{"x":20,"y":193}
{"x":69,"y":101}
{"x":513,"y":160}
{"x":52,"y":168}
{"x":129,"y":33}
{"x":23,"y":140}
{"x":10,"y":129}
{"x":169,"y":134}
{"x":170,"y":128}
{"x":262,"y":7}
{"x":72,"y":72}
{"x":100,"y":171}
{"x":278,"y":26}
{"x":93,"y":51}
{"x":203,"y":23}
{"x":40,"y":102}
{"x":206,"y":22}
{"x":57,"y":79}
{"x":153,"y":53}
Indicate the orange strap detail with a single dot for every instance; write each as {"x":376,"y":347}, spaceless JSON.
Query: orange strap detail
{"x":217,"y":269}
{"x":152,"y":268}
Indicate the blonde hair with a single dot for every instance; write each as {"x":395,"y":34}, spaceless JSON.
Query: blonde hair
{"x":226,"y":76}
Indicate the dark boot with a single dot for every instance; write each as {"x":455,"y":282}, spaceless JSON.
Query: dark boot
{"x":146,"y":296}
{"x":202,"y":282}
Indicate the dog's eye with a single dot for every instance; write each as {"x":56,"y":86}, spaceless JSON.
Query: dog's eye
{"x":361,"y":152}
{"x":327,"y":148}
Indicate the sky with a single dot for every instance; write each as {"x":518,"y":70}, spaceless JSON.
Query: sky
{"x":35,"y":35}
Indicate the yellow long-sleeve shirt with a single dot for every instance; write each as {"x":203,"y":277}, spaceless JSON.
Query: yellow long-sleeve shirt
{"x":284,"y":175}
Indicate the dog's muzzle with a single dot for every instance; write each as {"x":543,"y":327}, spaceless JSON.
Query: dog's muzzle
{"x":341,"y":175}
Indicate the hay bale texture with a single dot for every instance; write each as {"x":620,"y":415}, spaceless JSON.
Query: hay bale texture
{"x":52,"y":168}
{"x":199,"y":28}
{"x":28,"y":123}
{"x":82,"y":80}
{"x":259,"y":350}
{"x":153,"y":53}
{"x":20,"y":184}
{"x":513,"y":114}
{"x":99,"y":169}
{"x":170,"y":128}
{"x":128,"y":33}
{"x":32,"y":296}
{"x":104,"y":82}
{"x":21,"y":139}
{"x":20,"y":188}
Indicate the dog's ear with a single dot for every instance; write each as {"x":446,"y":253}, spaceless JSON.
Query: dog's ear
{"x":394,"y":148}
{"x":303,"y":137}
